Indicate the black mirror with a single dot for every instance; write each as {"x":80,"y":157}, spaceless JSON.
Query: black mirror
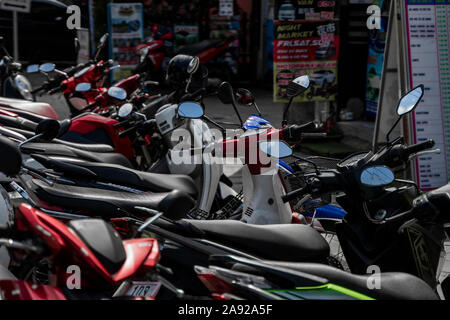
{"x":83,"y":87}
{"x":117,"y":93}
{"x":48,"y":129}
{"x":77,"y":45}
{"x":190,"y":110}
{"x":378,"y":176}
{"x":276,"y":149}
{"x":410,"y":101}
{"x":193,"y":65}
{"x":297,"y":86}
{"x":225,"y":93}
{"x":244,"y":97}
{"x":47,"y":67}
{"x":11,"y":159}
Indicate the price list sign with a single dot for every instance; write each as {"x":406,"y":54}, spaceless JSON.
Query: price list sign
{"x":428,"y":27}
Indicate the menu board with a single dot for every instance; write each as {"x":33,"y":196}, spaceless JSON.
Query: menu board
{"x":427,"y":28}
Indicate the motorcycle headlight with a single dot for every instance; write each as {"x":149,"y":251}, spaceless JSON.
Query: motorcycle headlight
{"x":24,"y":87}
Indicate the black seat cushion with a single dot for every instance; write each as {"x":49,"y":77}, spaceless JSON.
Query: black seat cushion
{"x":285,"y":242}
{"x":107,"y":203}
{"x":102,"y":240}
{"x":145,"y":181}
{"x":64,"y":150}
{"x":394,"y":285}
{"x":86,"y":147}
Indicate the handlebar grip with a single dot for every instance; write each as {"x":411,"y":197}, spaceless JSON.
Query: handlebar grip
{"x":89,"y":106}
{"x":122,"y":123}
{"x":128,"y":131}
{"x":294,"y":132}
{"x":420,"y":147}
{"x":293,"y":194}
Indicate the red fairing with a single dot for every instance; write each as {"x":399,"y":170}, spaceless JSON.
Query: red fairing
{"x":210,"y":54}
{"x":39,"y":108}
{"x":22,"y":290}
{"x":129,"y":84}
{"x":142,"y":254}
{"x":92,"y":122}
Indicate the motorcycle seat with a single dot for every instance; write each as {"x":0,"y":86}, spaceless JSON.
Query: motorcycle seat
{"x":102,"y":240}
{"x":285,"y":242}
{"x":108,"y":203}
{"x":145,"y":181}
{"x":193,"y":49}
{"x":93,"y":147}
{"x":393,"y":285}
{"x":70,"y":151}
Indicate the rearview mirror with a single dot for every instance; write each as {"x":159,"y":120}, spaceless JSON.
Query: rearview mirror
{"x":48,"y":128}
{"x":297,"y":86}
{"x":190,"y":110}
{"x":193,"y":65}
{"x":117,"y":93}
{"x":276,"y":149}
{"x":377,"y":176}
{"x":125,"y":110}
{"x":47,"y":67}
{"x":83,"y":87}
{"x":32,"y":68}
{"x":244,"y":97}
{"x":225,"y":93}
{"x":410,"y":100}
{"x":11,"y":159}
{"x":103,"y":39}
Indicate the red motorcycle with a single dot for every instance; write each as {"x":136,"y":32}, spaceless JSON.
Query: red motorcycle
{"x":156,"y":52}
{"x":84,"y":259}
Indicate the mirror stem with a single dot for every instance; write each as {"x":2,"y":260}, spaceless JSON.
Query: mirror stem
{"x":214,"y":123}
{"x":29,"y":140}
{"x":257,"y":109}
{"x":284,"y":121}
{"x":390,"y":131}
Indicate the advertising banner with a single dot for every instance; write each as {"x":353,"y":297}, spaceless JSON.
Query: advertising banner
{"x":306,"y":47}
{"x":126,"y":29}
{"x":377,"y":42}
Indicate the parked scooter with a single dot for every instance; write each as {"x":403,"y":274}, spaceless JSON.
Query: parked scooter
{"x":389,"y":226}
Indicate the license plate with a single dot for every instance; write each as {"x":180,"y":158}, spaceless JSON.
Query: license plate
{"x":143,"y":289}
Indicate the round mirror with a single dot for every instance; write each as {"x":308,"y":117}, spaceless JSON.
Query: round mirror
{"x":81,"y":72}
{"x":190,"y":110}
{"x":193,"y":65}
{"x":125,"y":110}
{"x":297,"y":86}
{"x":377,"y":176}
{"x":83,"y":87}
{"x":47,"y":67}
{"x":33,"y":68}
{"x":410,"y":100}
{"x":276,"y":149}
{"x":244,"y":97}
{"x":117,"y":93}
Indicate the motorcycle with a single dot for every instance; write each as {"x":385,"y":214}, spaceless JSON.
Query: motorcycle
{"x":388,"y":223}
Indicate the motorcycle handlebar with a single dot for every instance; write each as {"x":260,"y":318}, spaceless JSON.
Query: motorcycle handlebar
{"x":295,"y":132}
{"x":419,"y":147}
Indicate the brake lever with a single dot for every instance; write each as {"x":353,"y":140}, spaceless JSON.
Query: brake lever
{"x":423,"y":153}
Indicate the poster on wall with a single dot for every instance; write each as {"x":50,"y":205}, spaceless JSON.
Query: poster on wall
{"x":126,"y":29}
{"x":306,"y":47}
{"x":427,"y":48}
{"x":185,"y":34}
{"x":377,"y":42}
{"x":286,"y":10}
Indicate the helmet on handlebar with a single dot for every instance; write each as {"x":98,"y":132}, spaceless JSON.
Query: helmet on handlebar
{"x":178,"y":73}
